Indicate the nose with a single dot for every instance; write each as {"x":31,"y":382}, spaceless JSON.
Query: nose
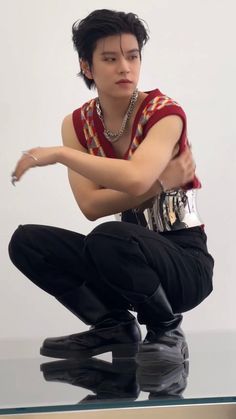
{"x":124,"y":67}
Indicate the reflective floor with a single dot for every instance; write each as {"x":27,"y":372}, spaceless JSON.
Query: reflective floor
{"x":32,"y":383}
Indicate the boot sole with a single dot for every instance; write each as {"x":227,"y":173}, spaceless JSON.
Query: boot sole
{"x":118,"y":351}
{"x":94,"y":364}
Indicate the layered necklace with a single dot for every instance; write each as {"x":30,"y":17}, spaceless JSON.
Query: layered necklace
{"x":114,"y":136}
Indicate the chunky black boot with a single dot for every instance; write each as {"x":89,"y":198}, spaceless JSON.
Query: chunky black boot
{"x":165,"y":340}
{"x":164,"y":380}
{"x":109,"y":381}
{"x":116,"y":331}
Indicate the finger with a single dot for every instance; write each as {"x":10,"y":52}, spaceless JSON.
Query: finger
{"x":186,"y":153}
{"x":189,"y":159}
{"x":22,"y":166}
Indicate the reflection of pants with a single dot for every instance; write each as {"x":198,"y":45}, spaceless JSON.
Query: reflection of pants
{"x":123,"y":262}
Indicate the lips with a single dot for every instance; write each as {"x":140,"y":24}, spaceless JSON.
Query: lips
{"x":123,"y":81}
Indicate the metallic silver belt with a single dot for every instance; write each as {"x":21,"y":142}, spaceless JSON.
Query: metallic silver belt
{"x":171,"y":210}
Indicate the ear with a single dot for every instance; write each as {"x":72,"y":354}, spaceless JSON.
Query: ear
{"x":84,"y":65}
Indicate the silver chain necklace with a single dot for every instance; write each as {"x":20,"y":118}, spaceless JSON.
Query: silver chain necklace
{"x":114,"y":136}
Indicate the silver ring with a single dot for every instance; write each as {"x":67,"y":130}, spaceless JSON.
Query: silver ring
{"x":26,"y":153}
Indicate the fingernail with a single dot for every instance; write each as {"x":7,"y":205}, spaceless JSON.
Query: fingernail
{"x":13,"y":180}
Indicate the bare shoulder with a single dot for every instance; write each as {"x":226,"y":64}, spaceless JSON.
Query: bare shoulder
{"x":163,"y":135}
{"x":69,"y":136}
{"x":173,"y":123}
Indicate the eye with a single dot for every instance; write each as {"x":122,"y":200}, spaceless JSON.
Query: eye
{"x":133,"y":57}
{"x":109,"y":59}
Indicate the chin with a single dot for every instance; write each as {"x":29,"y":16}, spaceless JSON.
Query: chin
{"x":124,"y":91}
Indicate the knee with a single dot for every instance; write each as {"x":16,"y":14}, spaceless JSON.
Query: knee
{"x":15,"y":242}
{"x":112,"y":229}
{"x":102,"y":238}
{"x":19,"y":241}
{"x":108,"y":242}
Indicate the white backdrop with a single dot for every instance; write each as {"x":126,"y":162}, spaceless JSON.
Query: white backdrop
{"x":191,"y":57}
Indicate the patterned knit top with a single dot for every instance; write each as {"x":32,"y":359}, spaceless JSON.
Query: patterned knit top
{"x":155,"y":106}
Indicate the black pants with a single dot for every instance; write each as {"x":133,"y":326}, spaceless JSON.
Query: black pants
{"x":124,"y":263}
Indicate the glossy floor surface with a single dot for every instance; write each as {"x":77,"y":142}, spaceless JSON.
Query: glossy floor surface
{"x":30,"y":383}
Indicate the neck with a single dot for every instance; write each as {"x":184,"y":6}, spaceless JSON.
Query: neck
{"x":113,"y":107}
{"x":112,"y":135}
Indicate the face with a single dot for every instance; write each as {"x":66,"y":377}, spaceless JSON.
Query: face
{"x":116,"y":65}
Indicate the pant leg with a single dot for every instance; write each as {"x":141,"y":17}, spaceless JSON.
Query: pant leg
{"x":135,"y":260}
{"x":54,"y":260}
{"x":49,"y":256}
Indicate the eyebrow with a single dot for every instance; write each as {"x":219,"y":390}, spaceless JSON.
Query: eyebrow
{"x":115,"y":53}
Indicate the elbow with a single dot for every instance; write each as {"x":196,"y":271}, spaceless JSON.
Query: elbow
{"x":139,"y":187}
{"x":89,"y":214}
{"x":139,"y":182}
{"x":90,"y":217}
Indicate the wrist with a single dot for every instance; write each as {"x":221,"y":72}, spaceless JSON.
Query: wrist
{"x":162,"y":184}
{"x":59,"y":153}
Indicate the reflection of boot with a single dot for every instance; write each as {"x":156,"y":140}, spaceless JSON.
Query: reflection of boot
{"x":164,"y":380}
{"x":165,"y":339}
{"x":115,"y":331}
{"x":106,"y":380}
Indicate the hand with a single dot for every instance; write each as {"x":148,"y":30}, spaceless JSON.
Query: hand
{"x":179,"y":171}
{"x":40,"y":156}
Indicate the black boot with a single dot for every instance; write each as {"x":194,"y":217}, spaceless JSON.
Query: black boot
{"x":109,"y":381}
{"x":116,"y":331}
{"x":164,"y":380}
{"x":165,"y":339}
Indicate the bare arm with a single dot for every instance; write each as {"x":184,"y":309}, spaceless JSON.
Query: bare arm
{"x":134,"y":176}
{"x":126,"y":183}
{"x":96,"y":202}
{"x":93,"y":200}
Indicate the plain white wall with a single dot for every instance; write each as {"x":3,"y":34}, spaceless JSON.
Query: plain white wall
{"x":190,"y":57}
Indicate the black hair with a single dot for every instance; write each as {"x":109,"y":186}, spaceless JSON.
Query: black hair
{"x":100,"y":24}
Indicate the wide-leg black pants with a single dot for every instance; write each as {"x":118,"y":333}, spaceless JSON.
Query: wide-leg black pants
{"x":123,"y":262}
